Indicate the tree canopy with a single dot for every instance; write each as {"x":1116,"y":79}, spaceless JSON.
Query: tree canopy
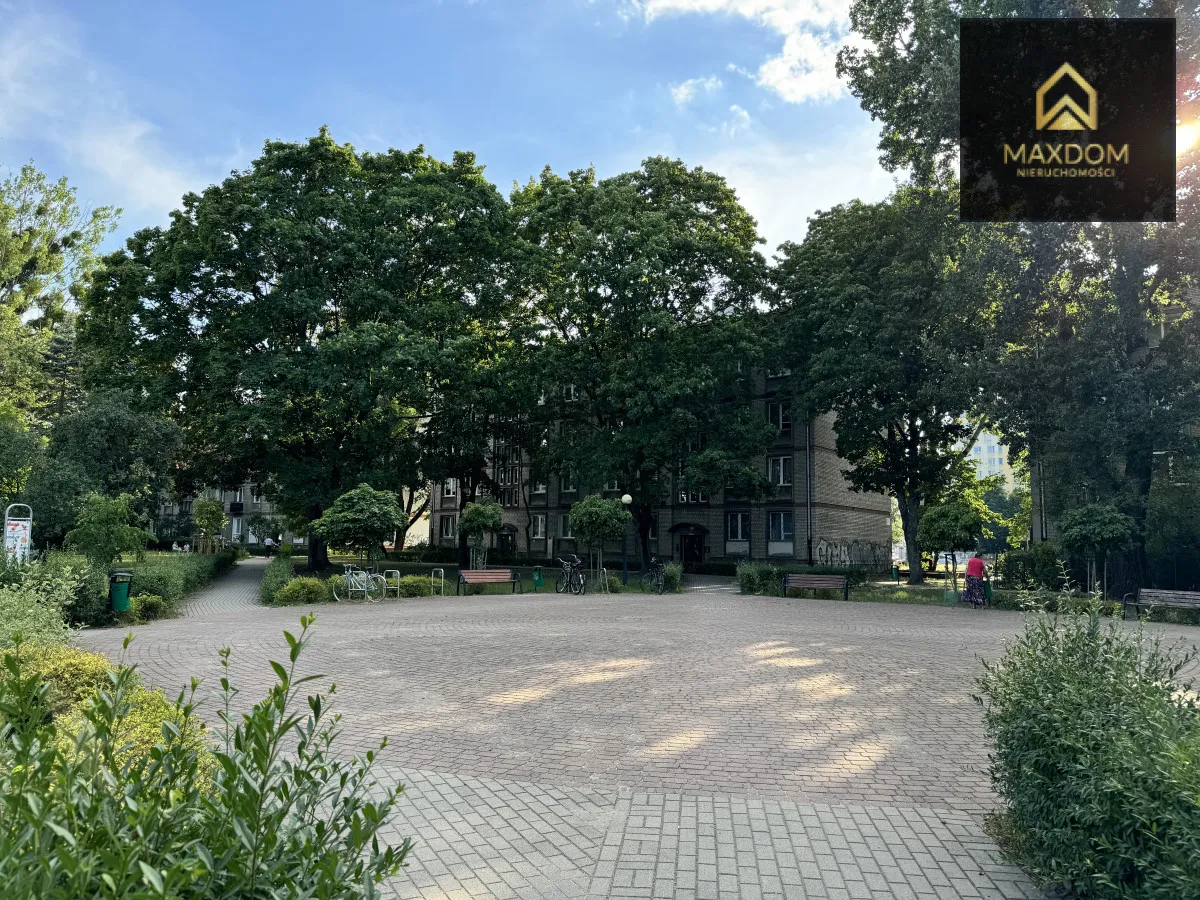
{"x":361,"y":519}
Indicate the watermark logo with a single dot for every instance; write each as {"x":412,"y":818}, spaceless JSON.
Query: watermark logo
{"x":1066,"y":114}
{"x":1067,"y":119}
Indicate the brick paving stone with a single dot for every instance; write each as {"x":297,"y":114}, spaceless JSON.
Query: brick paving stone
{"x":626,"y":745}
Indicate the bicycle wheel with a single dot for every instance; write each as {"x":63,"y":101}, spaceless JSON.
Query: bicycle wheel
{"x":660,"y":583}
{"x":376,"y":588}
{"x":561,"y":584}
{"x":341,"y":590}
{"x":649,"y":583}
{"x":578,"y":583}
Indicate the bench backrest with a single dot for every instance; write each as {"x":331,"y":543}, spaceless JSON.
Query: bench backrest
{"x":816,"y":581}
{"x":1172,"y":598}
{"x":485,"y":576}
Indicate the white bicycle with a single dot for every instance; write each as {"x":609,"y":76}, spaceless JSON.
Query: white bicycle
{"x":357,"y":584}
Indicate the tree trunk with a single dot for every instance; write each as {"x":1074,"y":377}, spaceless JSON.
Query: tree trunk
{"x":645,"y":518}
{"x":1134,"y":563}
{"x":910,"y":518}
{"x":318,"y":551}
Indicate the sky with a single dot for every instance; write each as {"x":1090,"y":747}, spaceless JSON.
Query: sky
{"x":139,"y":102}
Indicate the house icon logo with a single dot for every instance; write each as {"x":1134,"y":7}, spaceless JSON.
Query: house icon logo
{"x":1066,"y":114}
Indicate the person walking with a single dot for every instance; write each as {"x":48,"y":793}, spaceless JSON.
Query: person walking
{"x":976,"y":571}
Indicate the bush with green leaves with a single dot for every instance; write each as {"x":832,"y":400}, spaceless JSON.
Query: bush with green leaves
{"x":104,"y":530}
{"x":1039,"y":566}
{"x":277,"y":815}
{"x":71,"y":576}
{"x":173,"y":576}
{"x":765,"y":578}
{"x":304,"y":591}
{"x":33,"y":612}
{"x":278,"y":573}
{"x":1097,"y":756}
{"x":72,"y":675}
{"x":673,"y":577}
{"x":415,"y":586}
{"x":148,"y":607}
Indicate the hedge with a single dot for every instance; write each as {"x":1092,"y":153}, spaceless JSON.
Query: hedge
{"x":278,"y":573}
{"x":304,"y":591}
{"x":173,"y":576}
{"x":1097,"y":756}
{"x":765,"y":578}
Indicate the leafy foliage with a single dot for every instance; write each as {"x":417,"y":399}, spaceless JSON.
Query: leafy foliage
{"x":117,"y":817}
{"x":148,"y":607}
{"x":173,"y":576}
{"x":1097,"y":755}
{"x":278,"y":573}
{"x":361,"y":519}
{"x":415,"y":586}
{"x":479,"y":519}
{"x":895,"y":275}
{"x":595,"y":520}
{"x":209,"y":515}
{"x":35,"y":614}
{"x":304,"y":591}
{"x":103,"y":531}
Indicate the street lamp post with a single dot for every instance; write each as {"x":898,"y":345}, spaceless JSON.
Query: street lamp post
{"x":627,"y":500}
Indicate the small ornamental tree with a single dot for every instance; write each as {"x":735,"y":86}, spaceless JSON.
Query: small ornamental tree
{"x":595,"y":520}
{"x":209,"y":516}
{"x":103,"y":529}
{"x":950,"y":527}
{"x":1092,"y":532}
{"x":263,"y":527}
{"x":479,"y":519}
{"x":361,"y":519}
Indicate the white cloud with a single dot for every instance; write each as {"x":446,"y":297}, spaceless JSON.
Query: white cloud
{"x":51,"y":93}
{"x":783,"y":184}
{"x":685,"y":92}
{"x":812,"y":30}
{"x":738,"y":121}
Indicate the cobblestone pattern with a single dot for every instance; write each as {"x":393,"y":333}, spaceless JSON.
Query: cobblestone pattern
{"x":231,"y":593}
{"x":488,"y":838}
{"x":565,"y":747}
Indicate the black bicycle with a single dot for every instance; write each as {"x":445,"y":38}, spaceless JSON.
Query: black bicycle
{"x":572,"y":577}
{"x":654,"y":578}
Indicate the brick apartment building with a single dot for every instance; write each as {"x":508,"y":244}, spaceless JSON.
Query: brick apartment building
{"x":812,"y":516}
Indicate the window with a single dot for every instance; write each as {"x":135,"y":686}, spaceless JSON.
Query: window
{"x":447,"y":526}
{"x":540,"y":488}
{"x":539,"y":526}
{"x":185,"y":508}
{"x":570,"y":392}
{"x":978,"y":450}
{"x":781,"y":471}
{"x":611,"y":486}
{"x":566,"y":484}
{"x":235,"y":527}
{"x":450,"y":488}
{"x":782,"y":373}
{"x":737,"y":526}
{"x":565,"y":527}
{"x":779,"y":526}
{"x":780,"y":416}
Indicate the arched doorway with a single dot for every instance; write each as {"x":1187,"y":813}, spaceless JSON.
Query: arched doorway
{"x":690,"y":542}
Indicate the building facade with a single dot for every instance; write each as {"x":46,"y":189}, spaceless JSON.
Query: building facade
{"x":175,"y":522}
{"x":992,"y":458}
{"x":812,"y":517}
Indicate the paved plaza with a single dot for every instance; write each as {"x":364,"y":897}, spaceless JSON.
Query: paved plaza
{"x":697,"y":745}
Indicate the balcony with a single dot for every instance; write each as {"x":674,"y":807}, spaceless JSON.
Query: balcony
{"x":236,"y":507}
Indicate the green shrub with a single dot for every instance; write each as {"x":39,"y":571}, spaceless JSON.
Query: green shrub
{"x":672,"y":578}
{"x":173,"y":576}
{"x":147,"y":607}
{"x":130,"y":804}
{"x":766,"y":578}
{"x":753,"y":576}
{"x":162,"y":581}
{"x":35,"y":613}
{"x":415,"y":586}
{"x":279,"y":572}
{"x":304,"y":590}
{"x":1097,"y":755}
{"x":614,"y":584}
{"x":73,"y":675}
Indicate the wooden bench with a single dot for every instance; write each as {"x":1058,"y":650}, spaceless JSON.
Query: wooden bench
{"x":489,"y":576}
{"x":1151,"y":597}
{"x":816,"y":583}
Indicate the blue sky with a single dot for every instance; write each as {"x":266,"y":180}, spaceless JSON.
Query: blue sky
{"x":137,"y":102}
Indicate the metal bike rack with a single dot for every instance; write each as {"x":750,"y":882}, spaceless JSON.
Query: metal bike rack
{"x":438,"y":575}
{"x":387,"y":584}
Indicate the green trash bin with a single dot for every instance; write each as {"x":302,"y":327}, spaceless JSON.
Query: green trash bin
{"x":538,"y":581}
{"x":118,"y":590}
{"x":987,"y":590}
{"x":896,"y":574}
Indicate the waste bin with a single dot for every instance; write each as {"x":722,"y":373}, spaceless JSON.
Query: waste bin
{"x":118,"y":590}
{"x":538,"y":581}
{"x":987,"y":590}
{"x":896,"y":574}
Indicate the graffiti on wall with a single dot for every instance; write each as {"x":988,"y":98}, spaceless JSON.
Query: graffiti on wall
{"x":875,"y":554}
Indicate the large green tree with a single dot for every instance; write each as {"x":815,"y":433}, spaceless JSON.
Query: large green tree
{"x":876,"y":316}
{"x":295,"y":319}
{"x":641,"y":287}
{"x":1095,"y":346}
{"x":48,"y":244}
